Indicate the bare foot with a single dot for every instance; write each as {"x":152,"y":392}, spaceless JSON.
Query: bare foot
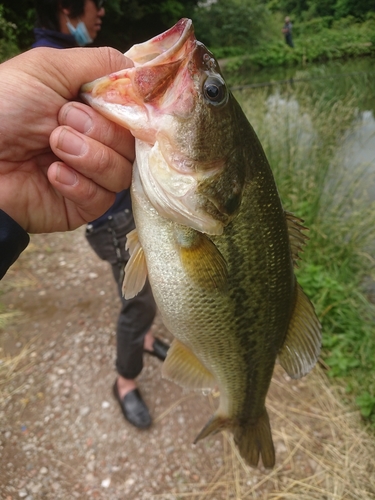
{"x":125,"y":385}
{"x":149,"y":341}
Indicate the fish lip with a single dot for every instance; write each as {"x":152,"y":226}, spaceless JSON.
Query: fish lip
{"x":184,"y":28}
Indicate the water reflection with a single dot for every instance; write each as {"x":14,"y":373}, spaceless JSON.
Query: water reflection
{"x":328,"y":83}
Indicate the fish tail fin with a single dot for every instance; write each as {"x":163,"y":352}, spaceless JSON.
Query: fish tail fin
{"x":255,"y":439}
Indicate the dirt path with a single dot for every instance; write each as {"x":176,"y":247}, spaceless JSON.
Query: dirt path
{"x":63,"y":436}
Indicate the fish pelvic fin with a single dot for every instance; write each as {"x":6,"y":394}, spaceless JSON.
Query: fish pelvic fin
{"x":184,"y":368}
{"x":201,"y":259}
{"x":302,"y":345}
{"x":254,"y":440}
{"x":136,"y":268}
{"x":296,"y":237}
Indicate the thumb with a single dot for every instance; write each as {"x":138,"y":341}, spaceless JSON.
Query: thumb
{"x":67,"y":70}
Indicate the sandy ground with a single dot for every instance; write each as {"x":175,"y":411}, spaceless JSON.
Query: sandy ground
{"x":63,"y":435}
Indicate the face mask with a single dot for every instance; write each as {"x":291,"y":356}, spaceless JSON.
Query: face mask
{"x":79,"y":32}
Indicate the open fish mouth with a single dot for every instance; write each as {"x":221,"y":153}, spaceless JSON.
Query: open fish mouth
{"x":155,"y":99}
{"x":164,"y":47}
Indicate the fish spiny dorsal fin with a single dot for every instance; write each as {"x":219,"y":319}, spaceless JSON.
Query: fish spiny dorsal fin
{"x":296,"y":237}
{"x":183,"y":367}
{"x":302,"y":345}
{"x":136,"y":268}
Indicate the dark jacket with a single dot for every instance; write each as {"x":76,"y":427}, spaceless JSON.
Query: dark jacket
{"x":53,"y":39}
{"x":13,"y":241}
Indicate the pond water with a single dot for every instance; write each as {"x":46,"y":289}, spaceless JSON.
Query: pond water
{"x":332,"y":80}
{"x":337,"y":76}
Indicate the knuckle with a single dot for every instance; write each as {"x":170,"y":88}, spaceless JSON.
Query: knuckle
{"x":102,"y":158}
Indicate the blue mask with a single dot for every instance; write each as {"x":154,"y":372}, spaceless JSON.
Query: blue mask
{"x":80,"y":33}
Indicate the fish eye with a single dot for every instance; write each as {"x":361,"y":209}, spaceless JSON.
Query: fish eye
{"x":215,"y":90}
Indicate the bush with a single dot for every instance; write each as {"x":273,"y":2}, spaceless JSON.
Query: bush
{"x":8,"y":44}
{"x":229,"y":23}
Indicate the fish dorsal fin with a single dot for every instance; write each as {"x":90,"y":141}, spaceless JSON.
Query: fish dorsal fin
{"x":136,"y":268}
{"x":183,"y":367}
{"x":296,"y":237}
{"x":302,"y":345}
{"x":201,"y":259}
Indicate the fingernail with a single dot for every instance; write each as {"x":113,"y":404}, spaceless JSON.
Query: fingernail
{"x":66,"y":175}
{"x":71,"y":143}
{"x":78,"y":119}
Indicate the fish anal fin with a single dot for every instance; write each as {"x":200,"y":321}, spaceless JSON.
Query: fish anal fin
{"x":136,"y":268}
{"x":297,"y":238}
{"x":302,"y":345}
{"x":215,"y":424}
{"x":201,"y":259}
{"x":183,"y":367}
{"x":254,"y":440}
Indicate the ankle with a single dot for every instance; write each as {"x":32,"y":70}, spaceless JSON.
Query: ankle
{"x":148,"y":341}
{"x":125,"y":385}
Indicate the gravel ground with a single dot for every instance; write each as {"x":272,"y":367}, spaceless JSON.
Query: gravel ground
{"x":62,"y":433}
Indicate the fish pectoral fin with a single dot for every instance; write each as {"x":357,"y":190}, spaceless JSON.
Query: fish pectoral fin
{"x":296,"y":237}
{"x":132,"y":241}
{"x":136,"y":268}
{"x":302,"y":345}
{"x":183,"y":367}
{"x":201,"y":259}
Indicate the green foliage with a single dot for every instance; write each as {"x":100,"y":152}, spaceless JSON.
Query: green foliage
{"x":228,"y":23}
{"x":133,"y":21}
{"x":22,"y":15}
{"x":300,"y":133}
{"x":308,"y":9}
{"x":314,"y":42}
{"x":366,"y":402}
{"x":126,"y":21}
{"x":8,"y":39}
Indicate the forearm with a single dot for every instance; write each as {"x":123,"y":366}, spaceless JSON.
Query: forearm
{"x":13,"y":241}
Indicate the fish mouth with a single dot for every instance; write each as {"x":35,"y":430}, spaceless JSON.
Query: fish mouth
{"x":145,"y":98}
{"x":165,"y":47}
{"x":123,"y":96}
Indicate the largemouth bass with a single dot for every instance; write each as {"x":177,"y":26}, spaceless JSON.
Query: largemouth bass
{"x":211,"y":235}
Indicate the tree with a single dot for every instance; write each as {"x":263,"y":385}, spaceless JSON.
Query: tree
{"x":133,"y":21}
{"x":309,"y":9}
{"x":126,"y":21}
{"x":229,"y":23}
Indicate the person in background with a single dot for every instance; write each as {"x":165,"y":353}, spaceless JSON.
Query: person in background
{"x":68,"y":23}
{"x":62,"y":24}
{"x":287,"y":30}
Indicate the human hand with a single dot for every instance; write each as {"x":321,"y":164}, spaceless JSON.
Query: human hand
{"x":61,"y":163}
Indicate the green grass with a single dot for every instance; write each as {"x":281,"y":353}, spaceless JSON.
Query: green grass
{"x":300,"y":133}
